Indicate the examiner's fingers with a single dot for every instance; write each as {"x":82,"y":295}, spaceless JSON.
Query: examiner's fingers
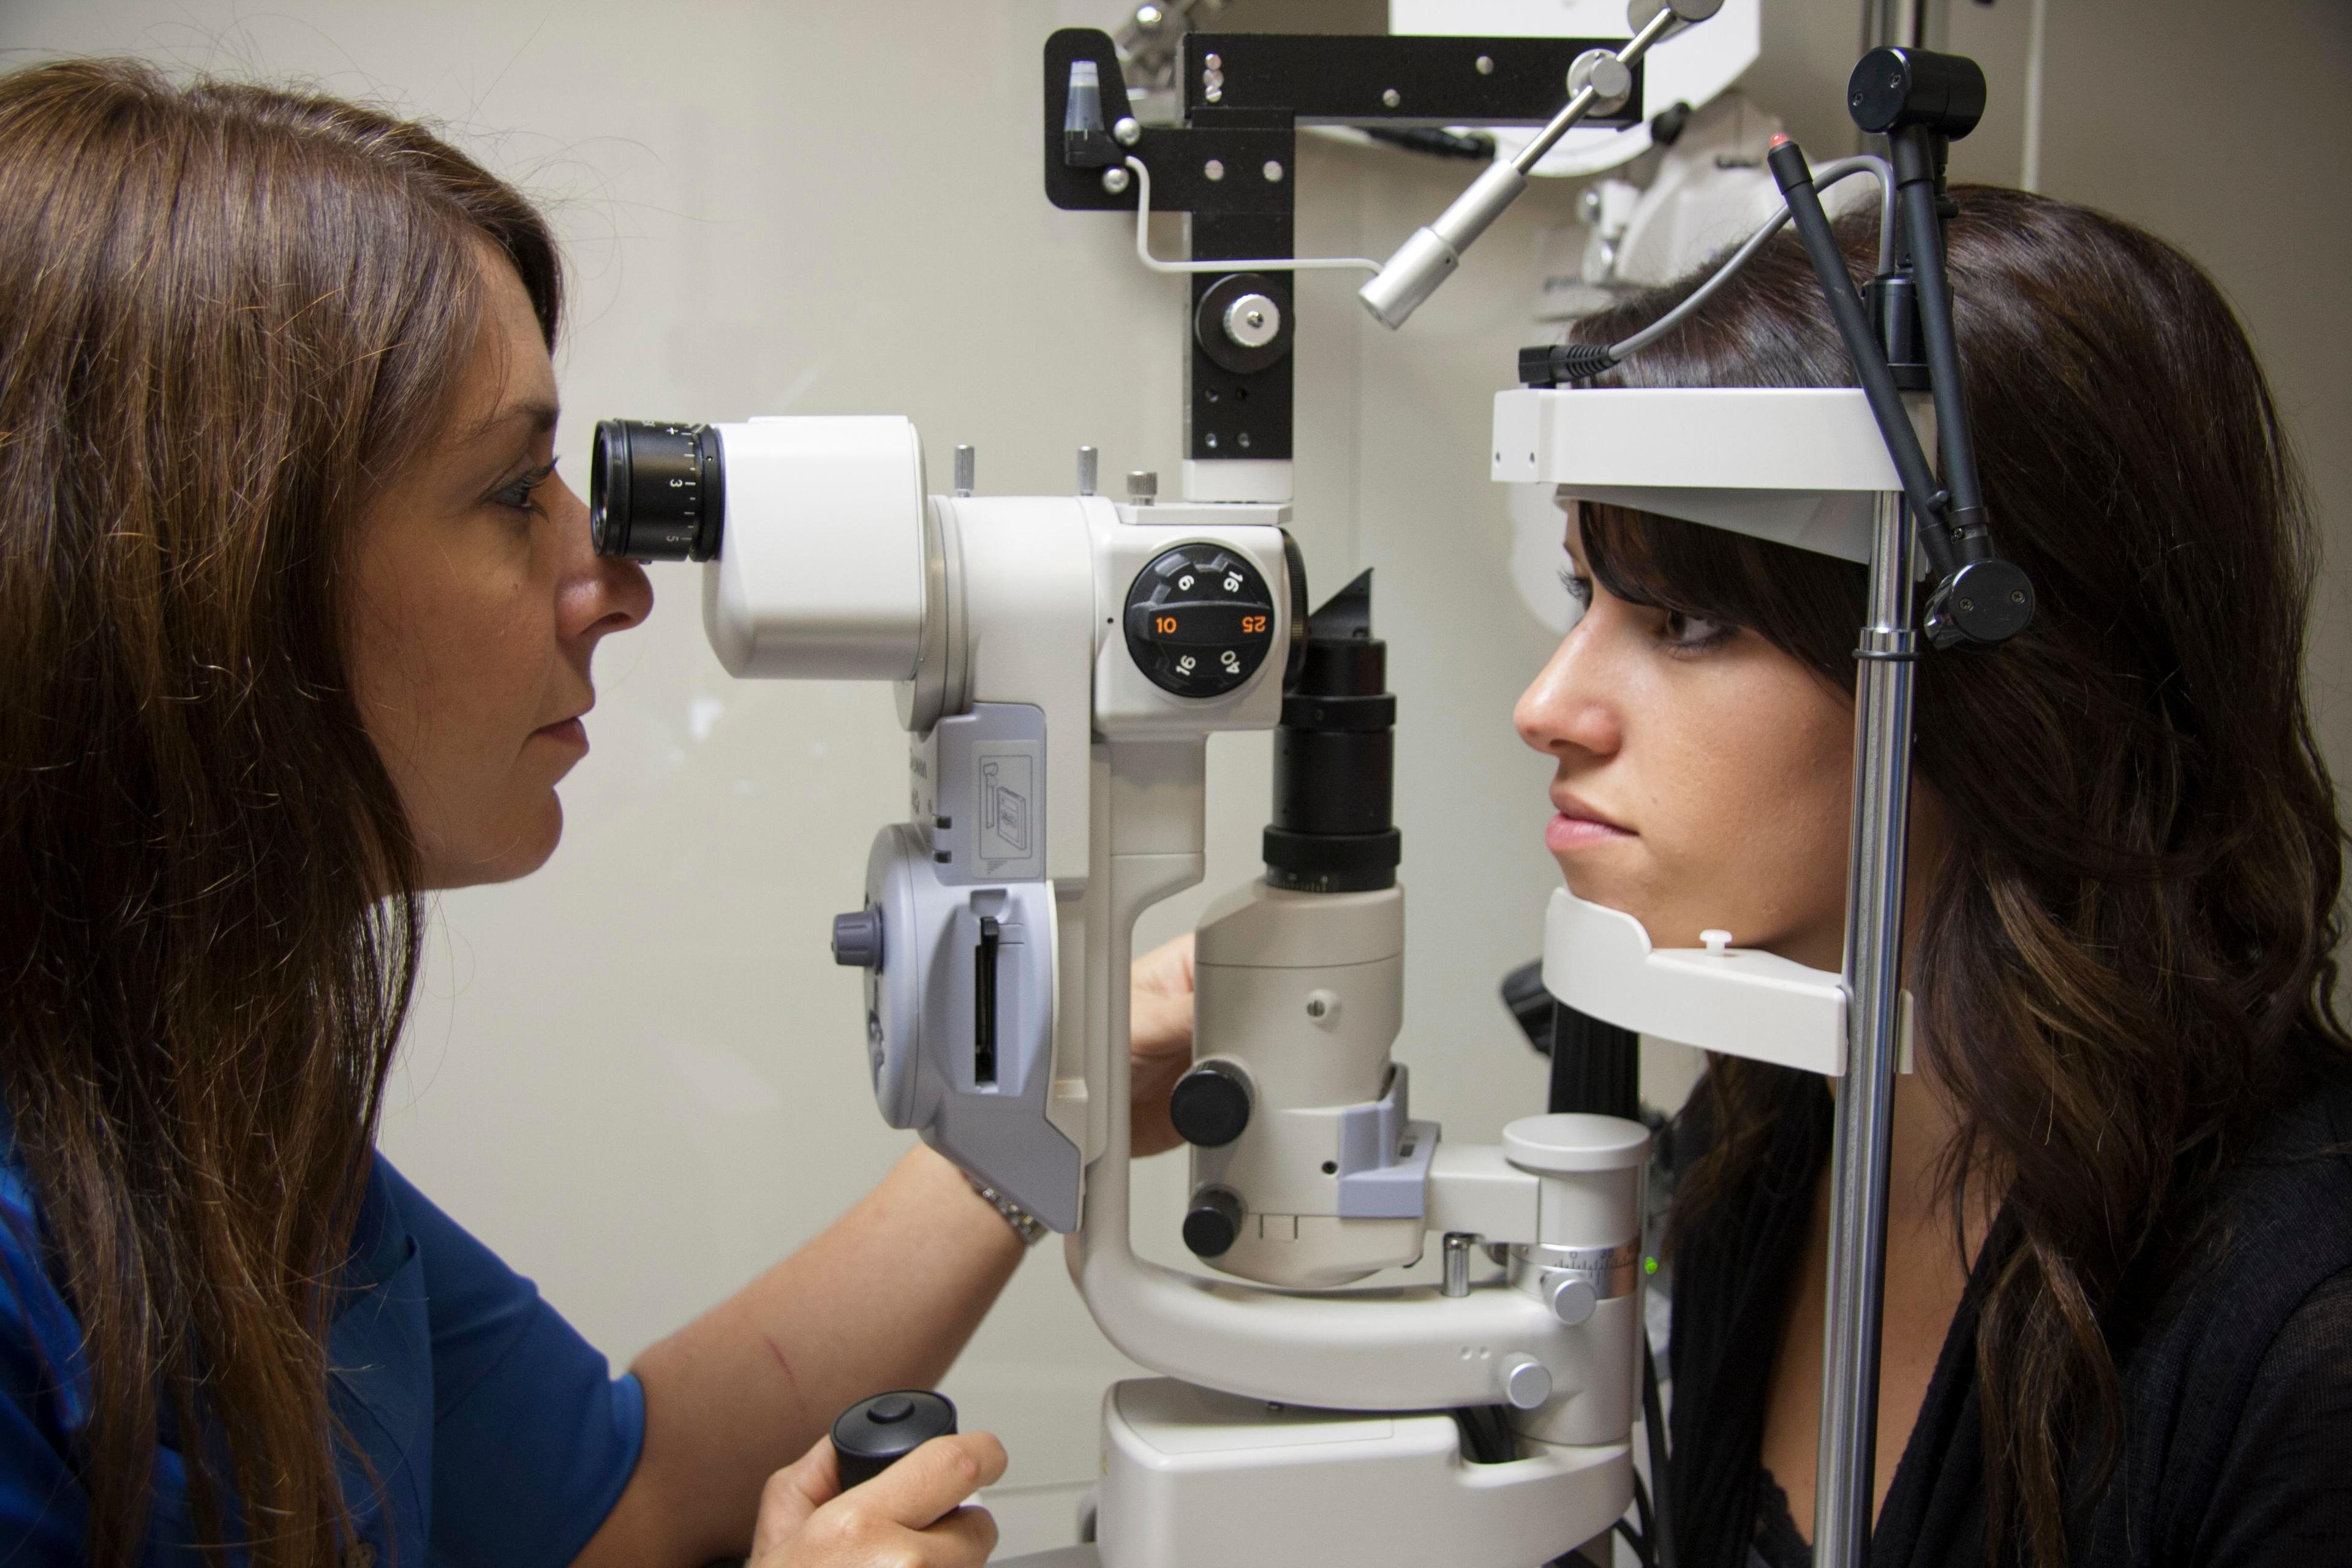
{"x":929,"y":1483}
{"x":794,"y":1493}
{"x":1166,"y":969}
{"x":962,"y":1540}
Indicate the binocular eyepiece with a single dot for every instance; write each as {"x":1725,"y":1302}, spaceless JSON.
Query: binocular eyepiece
{"x":656,"y":491}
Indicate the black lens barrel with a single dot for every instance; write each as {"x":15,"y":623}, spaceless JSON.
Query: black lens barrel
{"x":1334,"y":759}
{"x":656,"y":491}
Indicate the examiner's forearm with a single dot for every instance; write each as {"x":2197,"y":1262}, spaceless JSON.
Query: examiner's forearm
{"x":884,"y":1298}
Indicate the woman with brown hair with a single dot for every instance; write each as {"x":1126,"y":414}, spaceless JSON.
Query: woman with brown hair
{"x":296,"y":621}
{"x":2118,"y":1309}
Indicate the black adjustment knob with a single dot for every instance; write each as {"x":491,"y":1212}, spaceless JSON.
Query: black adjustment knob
{"x":1214,"y":1222}
{"x":1211,"y":1105}
{"x":857,"y":940}
{"x":1200,"y":619}
{"x":875,"y":1434}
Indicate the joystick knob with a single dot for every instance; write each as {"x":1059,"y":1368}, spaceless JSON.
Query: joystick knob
{"x":1214,"y":1222}
{"x":1211,"y":1105}
{"x":875,"y":1434}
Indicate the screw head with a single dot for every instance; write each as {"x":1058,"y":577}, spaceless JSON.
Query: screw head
{"x":1391,"y":97}
{"x":1214,"y":169}
{"x":1485,"y":65}
{"x":1126,"y":132}
{"x":1115,"y":180}
{"x":1214,"y":62}
{"x":1272,"y":170}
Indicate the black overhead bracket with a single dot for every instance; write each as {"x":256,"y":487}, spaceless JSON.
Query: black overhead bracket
{"x":1232,"y":166}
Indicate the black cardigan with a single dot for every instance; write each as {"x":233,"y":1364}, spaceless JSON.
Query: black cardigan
{"x":2237,"y":1377}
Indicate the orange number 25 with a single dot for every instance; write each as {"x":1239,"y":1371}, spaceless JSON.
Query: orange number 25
{"x":1252,"y":625}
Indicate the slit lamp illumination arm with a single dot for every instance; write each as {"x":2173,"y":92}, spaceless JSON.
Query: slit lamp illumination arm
{"x":1600,"y":79}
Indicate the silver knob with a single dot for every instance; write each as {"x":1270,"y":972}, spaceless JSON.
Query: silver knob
{"x":1525,"y":1382}
{"x":1142,"y":487}
{"x":1089,"y":466}
{"x":1571,"y":1298}
{"x":1253,"y":320}
{"x":1608,"y":78}
{"x":967,"y":469}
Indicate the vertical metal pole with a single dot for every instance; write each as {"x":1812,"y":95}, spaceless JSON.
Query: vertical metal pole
{"x":1843,"y":1494}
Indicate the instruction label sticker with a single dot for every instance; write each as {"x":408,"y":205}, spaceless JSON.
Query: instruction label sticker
{"x":1005,"y":790}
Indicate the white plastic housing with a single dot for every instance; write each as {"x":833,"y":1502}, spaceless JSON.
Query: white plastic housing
{"x":819,"y":572}
{"x":1742,"y":1001}
{"x":1194,"y":1477}
{"x":1304,"y":992}
{"x":1799,"y":466}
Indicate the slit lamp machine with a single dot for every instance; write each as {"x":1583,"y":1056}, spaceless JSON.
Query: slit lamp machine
{"x":1060,"y":662}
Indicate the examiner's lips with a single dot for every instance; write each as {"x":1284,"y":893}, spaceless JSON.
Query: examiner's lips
{"x":567,"y":732}
{"x":1578,"y":826}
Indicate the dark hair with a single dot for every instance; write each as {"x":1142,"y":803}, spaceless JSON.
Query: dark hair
{"x":2127,"y":961}
{"x":227,"y":314}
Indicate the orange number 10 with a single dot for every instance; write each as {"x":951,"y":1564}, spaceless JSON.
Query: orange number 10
{"x":1165,"y":625}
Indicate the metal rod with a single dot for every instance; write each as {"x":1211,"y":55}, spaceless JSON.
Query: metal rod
{"x":1844,"y":1508}
{"x":1578,"y":107}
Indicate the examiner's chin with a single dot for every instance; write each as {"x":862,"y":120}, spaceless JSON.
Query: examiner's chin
{"x":524,"y":848}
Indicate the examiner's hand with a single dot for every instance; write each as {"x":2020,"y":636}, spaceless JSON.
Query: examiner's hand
{"x":907,"y":1517}
{"x":1160,"y":1029}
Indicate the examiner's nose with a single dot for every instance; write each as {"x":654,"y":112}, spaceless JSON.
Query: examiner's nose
{"x":1566,"y":708}
{"x":599,"y":595}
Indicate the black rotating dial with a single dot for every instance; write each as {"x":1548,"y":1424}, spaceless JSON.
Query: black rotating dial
{"x":1200,"y":620}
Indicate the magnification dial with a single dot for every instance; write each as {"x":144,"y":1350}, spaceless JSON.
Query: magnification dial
{"x":1200,"y":620}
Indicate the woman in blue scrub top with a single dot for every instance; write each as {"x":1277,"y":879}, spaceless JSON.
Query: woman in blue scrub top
{"x":295,"y":626}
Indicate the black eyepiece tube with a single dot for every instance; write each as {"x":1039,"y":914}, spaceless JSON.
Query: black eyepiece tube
{"x":1796,"y":180}
{"x":656,"y":491}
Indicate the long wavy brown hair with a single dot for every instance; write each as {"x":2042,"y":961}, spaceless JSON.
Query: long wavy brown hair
{"x":229,"y":314}
{"x":2127,"y":963}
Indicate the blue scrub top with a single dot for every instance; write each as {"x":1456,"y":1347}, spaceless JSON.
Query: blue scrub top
{"x":493,"y":1433}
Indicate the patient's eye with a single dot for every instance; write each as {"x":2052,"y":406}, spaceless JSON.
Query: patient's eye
{"x":1695,"y":634}
{"x":1580,"y":592}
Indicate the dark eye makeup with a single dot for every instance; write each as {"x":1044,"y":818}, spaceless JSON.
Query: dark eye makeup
{"x":516,"y":493}
{"x":1682,"y":632}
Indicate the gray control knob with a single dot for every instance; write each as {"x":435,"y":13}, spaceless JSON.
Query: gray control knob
{"x":1571,"y":1298}
{"x":857,"y":940}
{"x":1214,"y":1222}
{"x":1525,"y":1382}
{"x":1211,"y":1105}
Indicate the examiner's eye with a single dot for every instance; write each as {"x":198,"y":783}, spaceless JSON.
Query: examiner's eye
{"x":517,"y":492}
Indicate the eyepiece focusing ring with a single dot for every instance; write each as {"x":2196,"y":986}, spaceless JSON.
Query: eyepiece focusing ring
{"x":656,"y":491}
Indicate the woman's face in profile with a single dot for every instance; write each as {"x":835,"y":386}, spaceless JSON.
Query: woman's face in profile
{"x":478,"y":602}
{"x":1703,"y":777}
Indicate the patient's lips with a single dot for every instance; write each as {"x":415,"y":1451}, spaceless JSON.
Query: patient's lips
{"x":1577,"y":826}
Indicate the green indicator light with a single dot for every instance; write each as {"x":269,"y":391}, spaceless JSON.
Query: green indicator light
{"x":1649,"y":1265}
